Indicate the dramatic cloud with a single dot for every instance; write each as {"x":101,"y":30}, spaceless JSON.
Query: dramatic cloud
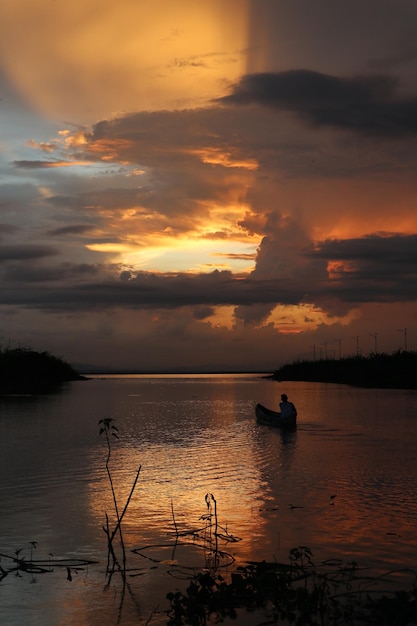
{"x":391,"y":253}
{"x":228,"y":182}
{"x":76,"y":229}
{"x":372,"y":269}
{"x":24,"y":252}
{"x":370,"y":105}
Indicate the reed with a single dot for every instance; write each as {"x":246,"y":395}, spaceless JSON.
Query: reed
{"x":113,"y":563}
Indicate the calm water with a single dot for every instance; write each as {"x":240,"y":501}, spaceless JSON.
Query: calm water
{"x":342,"y":484}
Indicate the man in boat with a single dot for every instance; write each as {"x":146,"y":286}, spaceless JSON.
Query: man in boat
{"x":286,"y":407}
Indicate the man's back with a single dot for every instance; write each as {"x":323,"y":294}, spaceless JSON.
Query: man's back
{"x":287,"y":409}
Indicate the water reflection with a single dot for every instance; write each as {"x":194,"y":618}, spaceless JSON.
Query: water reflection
{"x":178,"y":471}
{"x":342,"y":483}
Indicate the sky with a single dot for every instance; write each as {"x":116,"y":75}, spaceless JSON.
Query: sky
{"x":208,"y":186}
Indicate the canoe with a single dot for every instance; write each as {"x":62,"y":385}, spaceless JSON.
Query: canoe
{"x":273,"y":418}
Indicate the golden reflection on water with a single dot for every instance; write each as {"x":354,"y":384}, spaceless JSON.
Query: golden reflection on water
{"x":342,"y":484}
{"x":273,"y":491}
{"x":173,"y":483}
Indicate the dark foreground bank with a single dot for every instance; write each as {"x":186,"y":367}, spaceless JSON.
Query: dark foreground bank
{"x":387,"y":371}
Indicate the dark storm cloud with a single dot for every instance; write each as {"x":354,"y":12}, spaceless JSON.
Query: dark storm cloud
{"x":378,"y":268}
{"x":75,"y":229}
{"x":25,"y":252}
{"x":26,"y":273}
{"x":386,"y":249}
{"x":170,"y":145}
{"x":34,"y":165}
{"x":150,"y":291}
{"x":365,"y":104}
{"x":179,"y":151}
{"x":155,"y":138}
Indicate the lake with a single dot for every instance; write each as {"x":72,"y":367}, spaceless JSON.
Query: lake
{"x":342,"y":484}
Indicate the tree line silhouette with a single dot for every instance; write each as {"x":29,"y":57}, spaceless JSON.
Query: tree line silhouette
{"x":23,"y":370}
{"x":382,"y":370}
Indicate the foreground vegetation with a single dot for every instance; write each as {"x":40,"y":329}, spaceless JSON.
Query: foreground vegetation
{"x":23,"y":370}
{"x":389,"y":371}
{"x":299,"y":593}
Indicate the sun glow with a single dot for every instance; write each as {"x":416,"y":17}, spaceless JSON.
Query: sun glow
{"x":187,"y":254}
{"x":210,"y":238}
{"x":107,"y":247}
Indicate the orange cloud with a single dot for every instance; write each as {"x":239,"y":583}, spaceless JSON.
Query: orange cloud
{"x":216,"y":156}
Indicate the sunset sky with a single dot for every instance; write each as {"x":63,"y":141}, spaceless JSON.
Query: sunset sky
{"x":213,"y":185}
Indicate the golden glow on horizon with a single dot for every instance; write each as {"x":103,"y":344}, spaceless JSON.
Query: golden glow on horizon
{"x":295,"y":319}
{"x":353,"y":229}
{"x":186,"y":254}
{"x":107,"y":247}
{"x":354,"y":208}
{"x":223,"y":317}
{"x":232,"y":266}
{"x":226,"y":218}
{"x":147,"y":240}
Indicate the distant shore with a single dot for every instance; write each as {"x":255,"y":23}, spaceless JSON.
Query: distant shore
{"x":378,"y":370}
{"x":26,"y":371}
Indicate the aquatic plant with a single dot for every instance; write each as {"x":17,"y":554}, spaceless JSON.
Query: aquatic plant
{"x":207,"y":537}
{"x":22,"y":563}
{"x":298,"y":593}
{"x":107,"y":427}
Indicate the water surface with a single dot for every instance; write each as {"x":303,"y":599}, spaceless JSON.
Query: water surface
{"x":342,"y":484}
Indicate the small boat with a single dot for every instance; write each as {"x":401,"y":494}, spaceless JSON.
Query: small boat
{"x":274,"y":418}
